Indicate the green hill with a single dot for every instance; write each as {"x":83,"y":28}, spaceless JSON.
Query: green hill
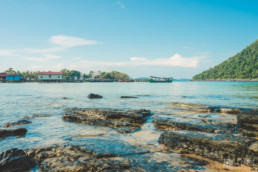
{"x":242,"y":66}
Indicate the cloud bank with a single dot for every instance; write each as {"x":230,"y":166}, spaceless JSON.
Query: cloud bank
{"x":70,"y":41}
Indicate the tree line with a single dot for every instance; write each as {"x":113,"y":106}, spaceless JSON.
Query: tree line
{"x":72,"y":75}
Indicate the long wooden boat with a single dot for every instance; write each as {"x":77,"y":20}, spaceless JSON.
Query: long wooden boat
{"x":154,"y":79}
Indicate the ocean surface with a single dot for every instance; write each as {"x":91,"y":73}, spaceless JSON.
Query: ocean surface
{"x":18,"y":100}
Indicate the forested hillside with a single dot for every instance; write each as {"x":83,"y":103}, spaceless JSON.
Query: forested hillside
{"x":243,"y":65}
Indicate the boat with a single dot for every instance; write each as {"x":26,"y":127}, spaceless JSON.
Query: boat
{"x":154,"y":79}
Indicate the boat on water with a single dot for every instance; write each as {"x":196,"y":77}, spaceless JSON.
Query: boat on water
{"x":154,"y":79}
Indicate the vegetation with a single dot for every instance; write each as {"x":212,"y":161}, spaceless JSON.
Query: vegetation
{"x":114,"y":75}
{"x":243,"y":65}
{"x":73,"y":75}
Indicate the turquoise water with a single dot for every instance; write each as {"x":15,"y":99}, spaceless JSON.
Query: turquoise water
{"x":25,"y":99}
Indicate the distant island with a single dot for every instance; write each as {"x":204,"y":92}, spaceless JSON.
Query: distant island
{"x":243,"y":66}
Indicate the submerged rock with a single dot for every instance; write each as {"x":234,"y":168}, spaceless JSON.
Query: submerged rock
{"x":127,"y":97}
{"x":94,"y":96}
{"x":39,"y":116}
{"x":15,"y":132}
{"x":123,"y":121}
{"x":15,"y":160}
{"x":195,"y":124}
{"x":20,"y":122}
{"x":226,"y":148}
{"x":207,"y":109}
{"x":248,"y":123}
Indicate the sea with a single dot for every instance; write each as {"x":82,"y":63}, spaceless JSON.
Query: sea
{"x":18,"y":100}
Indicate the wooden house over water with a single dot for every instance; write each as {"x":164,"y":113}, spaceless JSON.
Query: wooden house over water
{"x":3,"y":77}
{"x":14,"y":77}
{"x":50,"y":77}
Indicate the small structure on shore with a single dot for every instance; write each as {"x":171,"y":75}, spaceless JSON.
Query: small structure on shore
{"x":14,"y":77}
{"x":50,"y":76}
{"x":3,"y":77}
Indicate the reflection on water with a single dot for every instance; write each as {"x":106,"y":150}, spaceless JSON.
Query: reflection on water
{"x":19,"y":100}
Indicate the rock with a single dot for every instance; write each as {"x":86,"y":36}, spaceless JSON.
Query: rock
{"x":127,"y":97}
{"x":39,"y":116}
{"x":123,"y":121}
{"x":94,"y":96}
{"x":195,"y":124}
{"x":20,"y":122}
{"x":229,"y":110}
{"x":65,"y":98}
{"x":26,"y":117}
{"x":225,"y":148}
{"x":91,"y":154}
{"x":248,"y":123}
{"x":15,"y":160}
{"x":15,"y":132}
{"x":207,"y":109}
{"x":253,"y":149}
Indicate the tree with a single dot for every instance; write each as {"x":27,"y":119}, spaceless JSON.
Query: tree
{"x":10,"y":70}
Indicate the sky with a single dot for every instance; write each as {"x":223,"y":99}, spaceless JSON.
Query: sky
{"x":178,"y":38}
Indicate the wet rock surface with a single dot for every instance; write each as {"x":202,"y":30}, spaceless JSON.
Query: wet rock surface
{"x":123,"y":121}
{"x":15,"y":160}
{"x":94,"y":96}
{"x":20,"y":122}
{"x":248,"y":123}
{"x":225,"y":148}
{"x":207,"y":109}
{"x":36,"y":116}
{"x":14,"y":132}
{"x":195,"y":124}
{"x":108,"y":155}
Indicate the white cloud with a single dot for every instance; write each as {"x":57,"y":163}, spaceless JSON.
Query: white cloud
{"x":46,"y":57}
{"x":70,"y":41}
{"x":174,"y":61}
{"x":138,"y":59}
{"x":46,"y":50}
{"x":7,"y":53}
{"x":120,"y":4}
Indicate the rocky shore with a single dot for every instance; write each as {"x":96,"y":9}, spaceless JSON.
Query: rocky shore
{"x":227,"y":136}
{"x":124,"y":121}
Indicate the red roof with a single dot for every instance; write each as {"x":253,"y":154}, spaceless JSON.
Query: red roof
{"x":13,"y":74}
{"x":50,"y":73}
{"x":3,"y":74}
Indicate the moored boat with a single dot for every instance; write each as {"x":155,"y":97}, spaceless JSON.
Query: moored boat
{"x":154,"y":79}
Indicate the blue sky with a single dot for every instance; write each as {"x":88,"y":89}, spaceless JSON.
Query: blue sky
{"x":178,"y":38}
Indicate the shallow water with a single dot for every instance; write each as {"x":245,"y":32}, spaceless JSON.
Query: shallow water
{"x":25,"y":99}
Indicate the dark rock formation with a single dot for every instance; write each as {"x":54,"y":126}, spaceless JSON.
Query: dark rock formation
{"x":15,"y":132}
{"x":123,"y":121}
{"x":94,"y":96}
{"x":195,"y":124}
{"x":15,"y":160}
{"x":20,"y":122}
{"x":226,"y":148}
{"x":248,"y":123}
{"x":65,"y":98}
{"x":127,"y":97}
